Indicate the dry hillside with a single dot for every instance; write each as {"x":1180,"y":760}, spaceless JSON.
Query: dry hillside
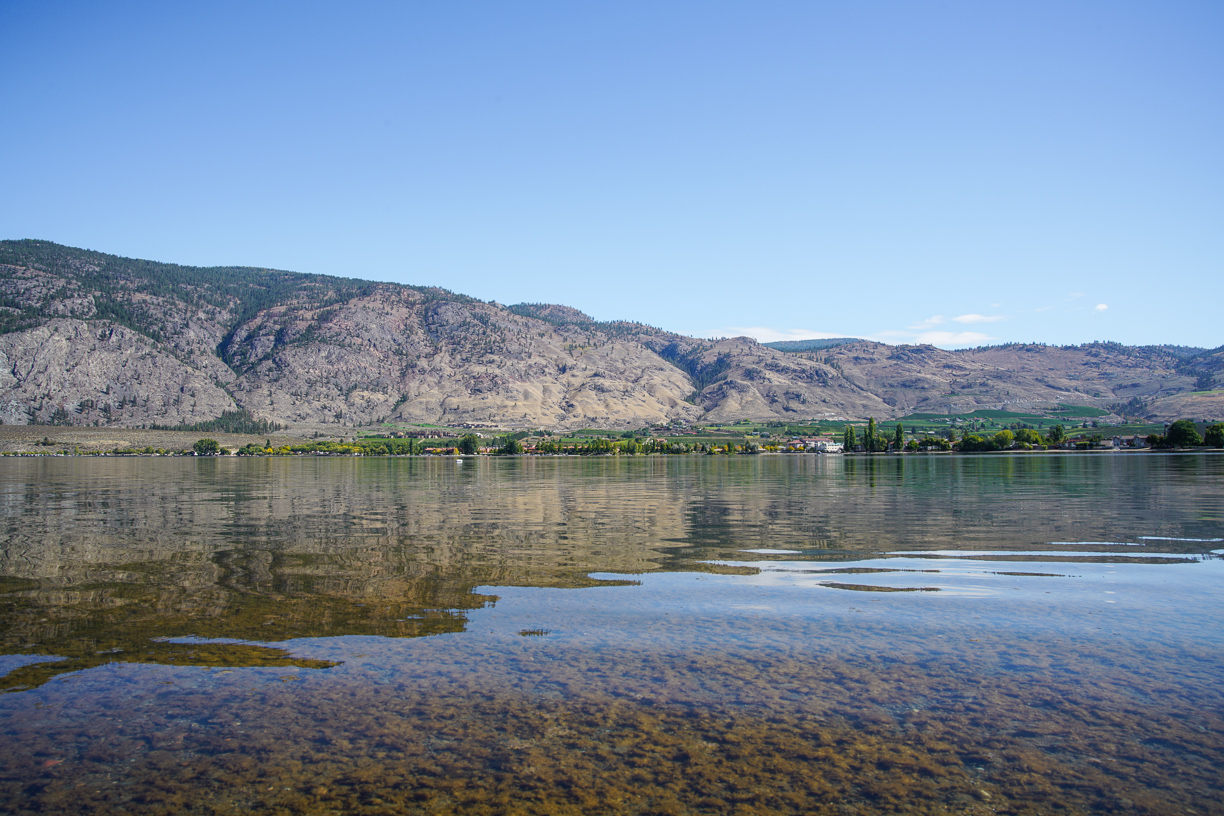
{"x":94,"y":339}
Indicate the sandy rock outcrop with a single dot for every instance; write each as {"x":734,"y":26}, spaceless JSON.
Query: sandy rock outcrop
{"x":104,"y":374}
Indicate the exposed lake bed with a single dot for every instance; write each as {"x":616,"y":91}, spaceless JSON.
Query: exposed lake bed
{"x":971,"y":635}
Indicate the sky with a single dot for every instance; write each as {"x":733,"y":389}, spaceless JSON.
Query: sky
{"x":954,"y":173}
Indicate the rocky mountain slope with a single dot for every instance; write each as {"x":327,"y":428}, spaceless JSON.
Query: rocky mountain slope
{"x":88,"y":338}
{"x":1019,"y":376}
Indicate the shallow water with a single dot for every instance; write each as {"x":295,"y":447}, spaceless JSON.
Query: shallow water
{"x":802,"y":634}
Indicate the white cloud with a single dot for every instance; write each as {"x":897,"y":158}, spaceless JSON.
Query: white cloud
{"x":943,"y":339}
{"x":765,"y":334}
{"x":923,"y":332}
{"x":928,"y":331}
{"x":1100,"y":307}
{"x":930,"y":322}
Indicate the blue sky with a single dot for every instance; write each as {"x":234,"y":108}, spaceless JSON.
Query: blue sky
{"x":958,"y":173}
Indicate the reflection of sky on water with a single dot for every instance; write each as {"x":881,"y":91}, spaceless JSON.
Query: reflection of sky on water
{"x":1039,"y":554}
{"x":1173,"y":538}
{"x":1165,"y":603}
{"x":1039,"y":590}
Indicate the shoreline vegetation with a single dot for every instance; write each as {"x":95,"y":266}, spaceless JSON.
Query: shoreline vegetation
{"x":1062,"y":428}
{"x":1182,"y":436}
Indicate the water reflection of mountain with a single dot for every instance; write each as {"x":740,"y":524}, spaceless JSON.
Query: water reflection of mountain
{"x":105,"y":555}
{"x":102,"y":557}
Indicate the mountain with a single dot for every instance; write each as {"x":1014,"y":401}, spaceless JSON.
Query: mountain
{"x":93,"y":339}
{"x":1151,"y":382}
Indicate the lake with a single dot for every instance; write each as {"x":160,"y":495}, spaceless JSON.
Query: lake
{"x":1022,"y":634}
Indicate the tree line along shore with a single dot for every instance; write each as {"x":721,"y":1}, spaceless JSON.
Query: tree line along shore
{"x":1182,"y":434}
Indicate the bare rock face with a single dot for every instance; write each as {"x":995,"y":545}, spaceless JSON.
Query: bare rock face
{"x":88,"y":338}
{"x":88,"y":373}
{"x":1014,"y":377}
{"x":752,"y":381}
{"x":404,"y":354}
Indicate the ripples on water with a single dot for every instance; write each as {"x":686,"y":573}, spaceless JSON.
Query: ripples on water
{"x":994,"y":634}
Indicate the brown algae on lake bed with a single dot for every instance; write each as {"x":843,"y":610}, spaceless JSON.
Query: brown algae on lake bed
{"x":499,"y":728}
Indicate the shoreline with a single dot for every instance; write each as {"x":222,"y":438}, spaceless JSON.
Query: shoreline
{"x":28,"y":440}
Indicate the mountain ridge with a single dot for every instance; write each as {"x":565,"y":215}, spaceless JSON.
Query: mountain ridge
{"x":89,"y":338}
